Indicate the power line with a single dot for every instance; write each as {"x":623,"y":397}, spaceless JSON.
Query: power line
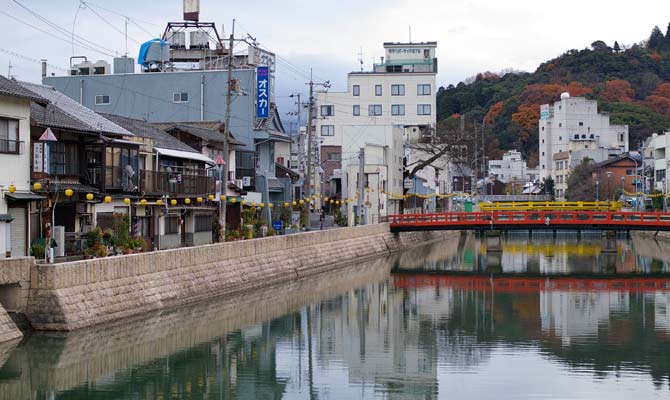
{"x":66,"y":40}
{"x":112,"y":25}
{"x":79,"y":39}
{"x":26,"y":58}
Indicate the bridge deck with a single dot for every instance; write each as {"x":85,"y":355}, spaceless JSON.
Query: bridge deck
{"x":532,"y":220}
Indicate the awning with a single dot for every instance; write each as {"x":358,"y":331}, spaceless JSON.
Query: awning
{"x":24,"y":196}
{"x":5,"y":218}
{"x":188,"y":155}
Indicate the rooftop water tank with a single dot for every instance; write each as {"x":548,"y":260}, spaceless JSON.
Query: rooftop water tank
{"x":565,"y":95}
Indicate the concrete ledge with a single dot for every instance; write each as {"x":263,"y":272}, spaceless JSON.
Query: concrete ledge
{"x":75,"y":295}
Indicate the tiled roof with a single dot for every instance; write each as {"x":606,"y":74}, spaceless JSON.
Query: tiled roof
{"x":145,"y":129}
{"x":9,"y":87}
{"x":64,"y":112}
{"x":210,"y":135}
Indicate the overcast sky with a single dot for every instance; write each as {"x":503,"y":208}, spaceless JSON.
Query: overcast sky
{"x":472,"y":35}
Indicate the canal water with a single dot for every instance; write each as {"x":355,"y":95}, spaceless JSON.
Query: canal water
{"x":516,"y":317}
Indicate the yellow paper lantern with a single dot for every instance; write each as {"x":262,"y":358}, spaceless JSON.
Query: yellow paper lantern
{"x":314,"y":196}
{"x":332,"y":201}
{"x":286,"y":204}
{"x":173,"y":202}
{"x":301,"y":202}
{"x":187,"y":201}
{"x":253,"y":204}
{"x":261,"y":205}
{"x":325,"y":199}
{"x":223,"y":197}
{"x":337,"y":203}
{"x":143,"y":202}
{"x":108,"y":199}
{"x":233,"y":200}
{"x":69,"y":192}
{"x":159,"y":202}
{"x":89,"y":196}
{"x":210,"y":197}
{"x":11,"y":188}
{"x":294,"y":203}
{"x":126,"y":201}
{"x":244,"y":202}
{"x":270,"y":205}
{"x":198,"y":200}
{"x":37,"y":186}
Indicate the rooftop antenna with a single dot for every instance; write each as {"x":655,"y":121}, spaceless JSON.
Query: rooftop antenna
{"x":410,"y":33}
{"x":9,"y":70}
{"x":360,"y":58}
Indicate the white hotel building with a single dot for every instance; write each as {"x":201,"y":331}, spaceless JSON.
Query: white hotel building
{"x":574,"y":125}
{"x":380,"y":111}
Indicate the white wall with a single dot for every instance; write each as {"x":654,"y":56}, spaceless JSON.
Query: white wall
{"x":15,"y":168}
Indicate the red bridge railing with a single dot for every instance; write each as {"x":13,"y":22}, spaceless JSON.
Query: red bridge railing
{"x":501,"y":219}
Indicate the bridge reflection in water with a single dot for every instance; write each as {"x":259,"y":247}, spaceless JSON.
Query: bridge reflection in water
{"x":443,"y":324}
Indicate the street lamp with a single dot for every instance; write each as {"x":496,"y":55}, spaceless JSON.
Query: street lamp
{"x":609,"y":175}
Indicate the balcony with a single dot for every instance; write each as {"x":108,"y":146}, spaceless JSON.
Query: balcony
{"x":11,"y":146}
{"x":176,"y":183}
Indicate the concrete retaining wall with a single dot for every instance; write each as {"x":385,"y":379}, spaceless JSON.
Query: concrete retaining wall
{"x":14,"y":291}
{"x":75,"y":295}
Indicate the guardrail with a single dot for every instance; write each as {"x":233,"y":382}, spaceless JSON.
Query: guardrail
{"x":552,"y":206}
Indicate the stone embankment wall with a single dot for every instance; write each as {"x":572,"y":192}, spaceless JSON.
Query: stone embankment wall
{"x":79,"y":294}
{"x":14,"y":290}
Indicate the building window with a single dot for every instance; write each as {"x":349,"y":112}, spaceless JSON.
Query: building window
{"x":375,"y":110}
{"x":203,"y":223}
{"x":171,"y":225}
{"x":356,"y":90}
{"x":101,"y":100}
{"x":327,"y":111}
{"x":542,"y":141}
{"x":143,"y":226}
{"x":180,"y":97}
{"x":397,"y":90}
{"x":543,"y":153}
{"x":423,"y":89}
{"x":378,"y":90}
{"x":357,"y":110}
{"x":581,"y":123}
{"x":334,"y":157}
{"x":543,"y":129}
{"x":9,"y":136}
{"x":63,"y":158}
{"x":423,"y":109}
{"x":398,"y":109}
{"x":327,"y":130}
{"x":560,"y":138}
{"x":621,"y":137}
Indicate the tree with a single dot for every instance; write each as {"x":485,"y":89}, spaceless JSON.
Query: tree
{"x":618,"y":90}
{"x":549,"y":187}
{"x":581,"y":186}
{"x":616,"y":47}
{"x":656,"y":39}
{"x":599,"y":45}
{"x":493,"y":113}
{"x":667,"y":37}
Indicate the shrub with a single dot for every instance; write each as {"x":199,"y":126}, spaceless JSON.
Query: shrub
{"x":37,"y":250}
{"x":94,"y":236}
{"x":271,"y":231}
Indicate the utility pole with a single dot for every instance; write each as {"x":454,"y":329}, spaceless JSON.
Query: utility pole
{"x":310,"y":116}
{"x":226,"y":135}
{"x":361,"y":184}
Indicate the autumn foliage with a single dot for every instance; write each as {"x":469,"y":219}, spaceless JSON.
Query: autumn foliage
{"x":527,"y":116}
{"x":618,"y":90}
{"x":493,"y":113}
{"x":659,"y":101}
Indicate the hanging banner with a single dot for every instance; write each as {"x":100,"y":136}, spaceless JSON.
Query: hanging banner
{"x":262,"y":92}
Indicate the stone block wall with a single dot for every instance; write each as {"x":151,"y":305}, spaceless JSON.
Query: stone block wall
{"x":78,"y":294}
{"x":14,"y":291}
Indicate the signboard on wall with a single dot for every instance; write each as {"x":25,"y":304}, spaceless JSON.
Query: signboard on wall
{"x":544,"y":111}
{"x":40,"y":157}
{"x":262,"y":92}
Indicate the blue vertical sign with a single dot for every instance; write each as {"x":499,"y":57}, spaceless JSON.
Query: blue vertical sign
{"x":262,"y":92}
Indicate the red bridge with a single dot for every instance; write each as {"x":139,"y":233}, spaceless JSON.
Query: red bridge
{"x":532,"y":220}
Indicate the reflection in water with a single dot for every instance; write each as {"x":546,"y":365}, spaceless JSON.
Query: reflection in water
{"x":569,"y":320}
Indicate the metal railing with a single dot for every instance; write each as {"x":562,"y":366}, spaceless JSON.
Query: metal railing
{"x":11,"y":146}
{"x":176,"y":183}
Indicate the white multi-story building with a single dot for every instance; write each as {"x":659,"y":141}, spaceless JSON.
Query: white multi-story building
{"x":17,"y":202}
{"x":398,"y":93}
{"x":574,"y":123}
{"x":512,"y":167}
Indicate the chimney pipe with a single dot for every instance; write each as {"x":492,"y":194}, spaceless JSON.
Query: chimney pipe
{"x":44,"y":67}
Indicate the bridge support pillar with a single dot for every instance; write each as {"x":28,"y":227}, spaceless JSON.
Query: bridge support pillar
{"x":608,"y":243}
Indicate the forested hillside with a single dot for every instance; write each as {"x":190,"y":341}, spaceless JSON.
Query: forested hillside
{"x":632,"y":83}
